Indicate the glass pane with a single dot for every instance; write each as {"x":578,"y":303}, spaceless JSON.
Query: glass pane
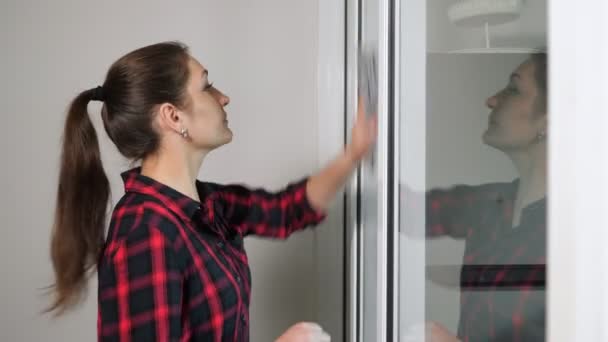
{"x":369,"y":199}
{"x":472,"y":167}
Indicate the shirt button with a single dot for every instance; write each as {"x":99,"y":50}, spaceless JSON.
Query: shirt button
{"x":243,"y":318}
{"x":220,"y":244}
{"x":238,"y":279}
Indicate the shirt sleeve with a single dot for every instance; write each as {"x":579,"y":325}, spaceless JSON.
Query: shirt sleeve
{"x":140,"y":290}
{"x":454,"y":212}
{"x":268,"y":214}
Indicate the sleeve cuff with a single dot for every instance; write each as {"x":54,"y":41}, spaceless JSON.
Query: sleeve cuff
{"x":312,"y":216}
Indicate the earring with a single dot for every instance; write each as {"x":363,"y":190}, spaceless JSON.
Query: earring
{"x":184,"y":133}
{"x":540,"y":136}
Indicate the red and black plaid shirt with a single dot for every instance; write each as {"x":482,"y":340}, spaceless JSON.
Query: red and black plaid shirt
{"x":503,"y":273}
{"x":174,"y":269}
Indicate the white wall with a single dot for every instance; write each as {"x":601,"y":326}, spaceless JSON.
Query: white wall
{"x":329,"y":242}
{"x":262,"y":53}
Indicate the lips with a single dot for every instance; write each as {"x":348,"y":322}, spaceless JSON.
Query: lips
{"x":492,"y":120}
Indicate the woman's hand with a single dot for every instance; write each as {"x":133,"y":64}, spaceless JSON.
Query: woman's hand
{"x":433,"y":331}
{"x":323,"y":186}
{"x":364,"y":133}
{"x":436,"y":332}
{"x":304,"y":332}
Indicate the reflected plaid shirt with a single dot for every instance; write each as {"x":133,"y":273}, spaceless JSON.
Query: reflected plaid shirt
{"x":503,"y":274}
{"x":174,"y":269}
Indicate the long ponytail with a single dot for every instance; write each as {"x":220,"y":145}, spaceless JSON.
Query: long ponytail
{"x":134,"y":85}
{"x":82,"y":199}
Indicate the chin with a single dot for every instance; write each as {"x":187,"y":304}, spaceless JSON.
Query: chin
{"x":502,"y":146}
{"x":485,"y":137}
{"x":491,"y":140}
{"x":229,"y":135}
{"x":219,"y":141}
{"x":225,"y":139}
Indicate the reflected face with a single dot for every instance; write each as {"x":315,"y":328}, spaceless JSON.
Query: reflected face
{"x":516,"y":119}
{"x":206,"y":118}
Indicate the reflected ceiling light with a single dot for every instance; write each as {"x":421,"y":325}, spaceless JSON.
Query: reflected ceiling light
{"x":475,"y":13}
{"x":483,"y":13}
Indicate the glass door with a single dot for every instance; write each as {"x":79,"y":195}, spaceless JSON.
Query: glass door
{"x":452,"y":209}
{"x":481,"y":218}
{"x":472,"y":168}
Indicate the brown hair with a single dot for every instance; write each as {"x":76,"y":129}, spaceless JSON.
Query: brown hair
{"x":539,"y":60}
{"x":134,"y":86}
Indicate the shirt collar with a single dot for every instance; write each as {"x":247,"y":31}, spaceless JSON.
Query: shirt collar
{"x":177,"y":202}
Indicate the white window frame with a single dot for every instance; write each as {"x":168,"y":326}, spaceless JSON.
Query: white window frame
{"x":578,"y":171}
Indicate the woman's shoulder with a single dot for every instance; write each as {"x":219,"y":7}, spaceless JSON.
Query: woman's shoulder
{"x":206,"y":188}
{"x":476,"y":192}
{"x":496,"y":187}
{"x":136,"y":214}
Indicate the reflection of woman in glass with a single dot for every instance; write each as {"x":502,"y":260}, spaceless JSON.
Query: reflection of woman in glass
{"x":502,"y":278}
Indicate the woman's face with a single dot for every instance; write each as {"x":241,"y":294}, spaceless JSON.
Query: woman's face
{"x":206,"y":119}
{"x":516,"y":119}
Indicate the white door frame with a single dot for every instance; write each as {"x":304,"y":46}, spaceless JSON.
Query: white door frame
{"x":330,"y":237}
{"x":578,"y":171}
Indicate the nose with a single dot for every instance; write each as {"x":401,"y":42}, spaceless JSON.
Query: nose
{"x":224,"y":100}
{"x":492,"y":101}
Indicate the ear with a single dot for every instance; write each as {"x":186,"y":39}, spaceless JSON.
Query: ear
{"x":170,"y":117}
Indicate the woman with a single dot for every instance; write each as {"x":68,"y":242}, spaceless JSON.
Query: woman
{"x":173,"y":266}
{"x":503,"y":224}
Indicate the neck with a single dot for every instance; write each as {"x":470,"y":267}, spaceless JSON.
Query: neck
{"x":532,"y":168}
{"x":176,"y":169}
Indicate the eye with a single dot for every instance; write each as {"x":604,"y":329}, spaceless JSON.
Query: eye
{"x":512,"y":89}
{"x":208,"y":86}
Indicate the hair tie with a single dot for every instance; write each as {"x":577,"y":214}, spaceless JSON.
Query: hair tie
{"x":97,"y":94}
